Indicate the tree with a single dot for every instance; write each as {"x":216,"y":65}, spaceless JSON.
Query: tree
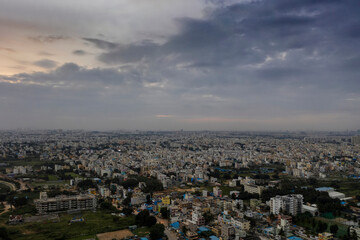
{"x":148,"y":199}
{"x":233,"y":196}
{"x":4,"y":235}
{"x":141,"y":218}
{"x":130,"y":183}
{"x":19,"y":201}
{"x":164,"y":212}
{"x":86,"y":184}
{"x":150,"y":221}
{"x":322,"y":226}
{"x":127,"y":211}
{"x":313,"y":182}
{"x":208,"y":217}
{"x":107,"y":206}
{"x":157,"y":231}
{"x":334,"y":228}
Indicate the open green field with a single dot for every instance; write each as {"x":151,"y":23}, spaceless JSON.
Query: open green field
{"x":350,"y":188}
{"x":74,"y":175}
{"x":342,"y":228}
{"x":95,"y":222}
{"x":49,"y":183}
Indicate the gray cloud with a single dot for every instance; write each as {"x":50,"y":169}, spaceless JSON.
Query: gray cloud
{"x":79,"y":52}
{"x":48,"y":38}
{"x":46,"y":63}
{"x":258,"y":64}
{"x":102,"y":44}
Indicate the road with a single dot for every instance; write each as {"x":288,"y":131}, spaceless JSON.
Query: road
{"x":170,"y":235}
{"x":6,"y":209}
{"x":23,"y":186}
{"x":10,"y":185}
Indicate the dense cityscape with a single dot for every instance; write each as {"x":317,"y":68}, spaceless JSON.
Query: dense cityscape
{"x":179,"y":120}
{"x":60,"y":184}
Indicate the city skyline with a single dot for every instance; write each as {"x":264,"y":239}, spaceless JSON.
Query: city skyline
{"x":170,"y":65}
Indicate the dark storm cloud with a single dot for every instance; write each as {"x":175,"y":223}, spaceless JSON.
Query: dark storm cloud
{"x":130,"y":53}
{"x":247,"y":33}
{"x":262,"y":41}
{"x":278,"y":59}
{"x":46,"y":63}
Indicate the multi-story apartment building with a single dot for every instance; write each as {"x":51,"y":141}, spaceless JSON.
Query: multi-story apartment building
{"x":227,"y":231}
{"x":197,"y":218}
{"x":291,"y":204}
{"x":64,"y":203}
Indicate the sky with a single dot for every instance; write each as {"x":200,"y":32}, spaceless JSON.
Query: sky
{"x":263,"y":65}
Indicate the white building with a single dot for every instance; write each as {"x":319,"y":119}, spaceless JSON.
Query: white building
{"x":291,"y":204}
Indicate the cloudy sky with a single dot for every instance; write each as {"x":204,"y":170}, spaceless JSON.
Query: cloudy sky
{"x":180,"y":64}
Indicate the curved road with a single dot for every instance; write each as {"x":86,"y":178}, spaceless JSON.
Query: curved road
{"x":9,"y":184}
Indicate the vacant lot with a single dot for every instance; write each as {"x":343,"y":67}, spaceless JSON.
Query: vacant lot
{"x":115,"y":235}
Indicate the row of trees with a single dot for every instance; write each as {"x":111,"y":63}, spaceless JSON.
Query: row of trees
{"x":152,"y":184}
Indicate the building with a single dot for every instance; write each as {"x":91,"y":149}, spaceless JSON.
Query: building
{"x":197,"y":218}
{"x":227,"y":231}
{"x":138,"y":199}
{"x":355,"y":231}
{"x":325,"y":236}
{"x":275,"y":205}
{"x":291,"y":204}
{"x":64,"y":203}
{"x":240,"y":223}
{"x":217,"y":192}
{"x":166,"y":200}
{"x":334,"y":194}
{"x":253,"y":189}
{"x":310,"y":209}
{"x":355,"y":140}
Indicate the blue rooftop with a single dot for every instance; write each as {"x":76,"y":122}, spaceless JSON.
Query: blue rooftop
{"x":203,"y":229}
{"x":175,"y":225}
{"x":214,"y":238}
{"x":294,"y":238}
{"x":324,"y":189}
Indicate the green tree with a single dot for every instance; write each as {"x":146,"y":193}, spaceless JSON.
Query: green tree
{"x":107,"y":206}
{"x":127,"y":211}
{"x":157,"y":231}
{"x":334,"y":228}
{"x":141,"y":218}
{"x":150,"y":221}
{"x":164,"y":212}
{"x":4,"y":235}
